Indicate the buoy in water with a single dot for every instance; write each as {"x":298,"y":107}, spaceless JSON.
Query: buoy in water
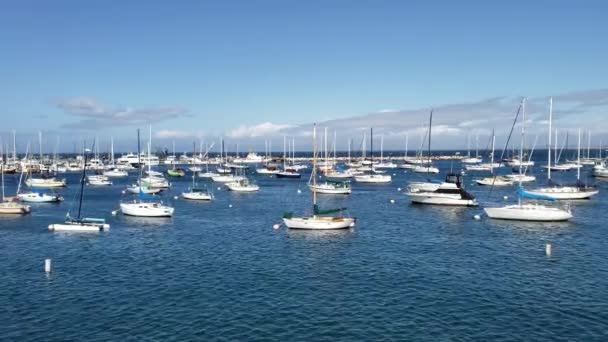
{"x":398,"y":189}
{"x":505,"y":197}
{"x":392,"y":201}
{"x":229,"y":205}
{"x":219,"y":188}
{"x":124,"y":192}
{"x":477,"y":216}
{"x":276,"y":226}
{"x":47,"y":265}
{"x":114,"y":212}
{"x":175,"y":197}
{"x":548,"y":249}
{"x":299,"y":191}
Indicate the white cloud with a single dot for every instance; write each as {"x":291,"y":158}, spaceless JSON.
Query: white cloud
{"x":259,"y":130}
{"x":93,"y":114}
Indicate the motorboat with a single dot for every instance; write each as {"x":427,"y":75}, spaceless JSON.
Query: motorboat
{"x":242,"y":185}
{"x":448,"y":193}
{"x":332,"y":188}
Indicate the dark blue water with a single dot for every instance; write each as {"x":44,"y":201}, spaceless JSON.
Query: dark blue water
{"x":215,"y":272}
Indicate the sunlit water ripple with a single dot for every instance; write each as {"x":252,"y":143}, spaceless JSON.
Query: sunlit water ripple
{"x":215,"y":272}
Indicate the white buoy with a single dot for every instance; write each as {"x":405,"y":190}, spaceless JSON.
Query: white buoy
{"x":47,"y":265}
{"x":229,"y":205}
{"x":124,"y":192}
{"x":276,"y":226}
{"x":114,"y":212}
{"x":505,"y":197}
{"x":394,"y":174}
{"x":299,"y":191}
{"x":548,"y":249}
{"x":392,"y":201}
{"x":398,"y":189}
{"x":175,"y":197}
{"x":477,"y":216}
{"x":219,"y":188}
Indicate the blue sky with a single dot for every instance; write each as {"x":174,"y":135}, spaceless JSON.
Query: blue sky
{"x":252,"y":70}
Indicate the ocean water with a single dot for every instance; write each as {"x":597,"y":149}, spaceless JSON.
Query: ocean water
{"x":219,"y":271}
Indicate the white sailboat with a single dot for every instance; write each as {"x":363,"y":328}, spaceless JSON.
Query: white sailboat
{"x":140,"y":207}
{"x":79,"y":223}
{"x":527,"y":212}
{"x":494,"y":180}
{"x":194,"y":192}
{"x":373,"y":177}
{"x":320,"y":219}
{"x":564,"y":192}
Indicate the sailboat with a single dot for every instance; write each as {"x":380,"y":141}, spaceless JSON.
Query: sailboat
{"x":527,"y":211}
{"x":194,"y":192}
{"x":320,"y":219}
{"x":384,"y":164}
{"x":564,"y":192}
{"x":10,"y":207}
{"x":469,"y":159}
{"x":36,"y":195}
{"x":141,"y":208}
{"x":420,"y":165}
{"x":79,"y":223}
{"x":494,"y":180}
{"x":373,"y":177}
{"x":287,"y":172}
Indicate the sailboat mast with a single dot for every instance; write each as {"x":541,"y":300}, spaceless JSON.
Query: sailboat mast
{"x":314,"y":166}
{"x":84,"y":175}
{"x":371,"y":145}
{"x":492,"y":155}
{"x":284,"y":153}
{"x":550,"y":128}
{"x":406,"y":142}
{"x":325,"y":145}
{"x":40,"y":143}
{"x":141,"y":168}
{"x":578,"y":169}
{"x":430,"y":128}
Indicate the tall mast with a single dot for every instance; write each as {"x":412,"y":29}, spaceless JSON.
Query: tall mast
{"x":492,"y":155}
{"x":325,"y":143}
{"x":84,"y":175}
{"x":334,"y":147}
{"x":14,"y":146}
{"x":589,"y":144}
{"x":578,"y":169}
{"x":314,"y":166}
{"x":371,"y":145}
{"x":555,"y":151}
{"x":430,"y":127}
{"x":350,"y":142}
{"x":381,"y":148}
{"x":406,"y":142}
{"x":550,"y":128}
{"x":194,"y":160}
{"x":284,"y":153}
{"x":141,"y":168}
{"x":40,"y":143}
{"x":523,"y":132}
{"x":477,"y":145}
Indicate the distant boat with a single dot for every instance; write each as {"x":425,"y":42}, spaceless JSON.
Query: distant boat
{"x":320,"y":219}
{"x":450,"y":193}
{"x":10,"y":207}
{"x":372,"y":177}
{"x":197,"y":193}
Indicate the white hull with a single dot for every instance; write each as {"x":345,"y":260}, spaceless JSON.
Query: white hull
{"x":267,"y":172}
{"x":564,"y":192}
{"x":116,"y":173}
{"x":45,"y":183}
{"x":330,"y":189}
{"x":227,"y":178}
{"x":143,"y":189}
{"x":378,"y":179}
{"x":425,"y":169}
{"x":423,"y":186}
{"x":97,"y":182}
{"x":146,"y":209}
{"x":207,"y":174}
{"x":521,"y":178}
{"x":528,"y":212}
{"x":440,"y":199}
{"x":199,"y":196}
{"x":79,"y":227}
{"x":36,"y":197}
{"x":237,"y":187}
{"x":319,"y":223}
{"x":494,"y":181}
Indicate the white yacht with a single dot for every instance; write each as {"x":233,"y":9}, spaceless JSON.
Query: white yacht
{"x":449,"y":193}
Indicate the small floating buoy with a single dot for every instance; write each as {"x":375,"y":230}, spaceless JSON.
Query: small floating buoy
{"x":276,"y":226}
{"x":219,"y":188}
{"x":114,"y":212}
{"x":505,"y":197}
{"x":548,"y":249}
{"x":392,"y":201}
{"x":229,"y":205}
{"x":299,"y":191}
{"x":47,"y":265}
{"x":398,"y":189}
{"x":124,"y":192}
{"x":477,"y":216}
{"x":394,"y":174}
{"x":175,"y":197}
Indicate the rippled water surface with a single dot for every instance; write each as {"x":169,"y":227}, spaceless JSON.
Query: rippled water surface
{"x":219,"y":271}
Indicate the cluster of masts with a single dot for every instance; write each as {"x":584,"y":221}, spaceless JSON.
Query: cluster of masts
{"x":330,"y":175}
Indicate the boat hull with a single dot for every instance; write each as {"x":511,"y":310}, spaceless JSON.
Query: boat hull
{"x":146,"y":209}
{"x":319,"y":223}
{"x":564,"y":193}
{"x":10,"y":208}
{"x":78,"y":227}
{"x":330,"y":190}
{"x":440,"y":199}
{"x":376,"y":179}
{"x":528,"y":212}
